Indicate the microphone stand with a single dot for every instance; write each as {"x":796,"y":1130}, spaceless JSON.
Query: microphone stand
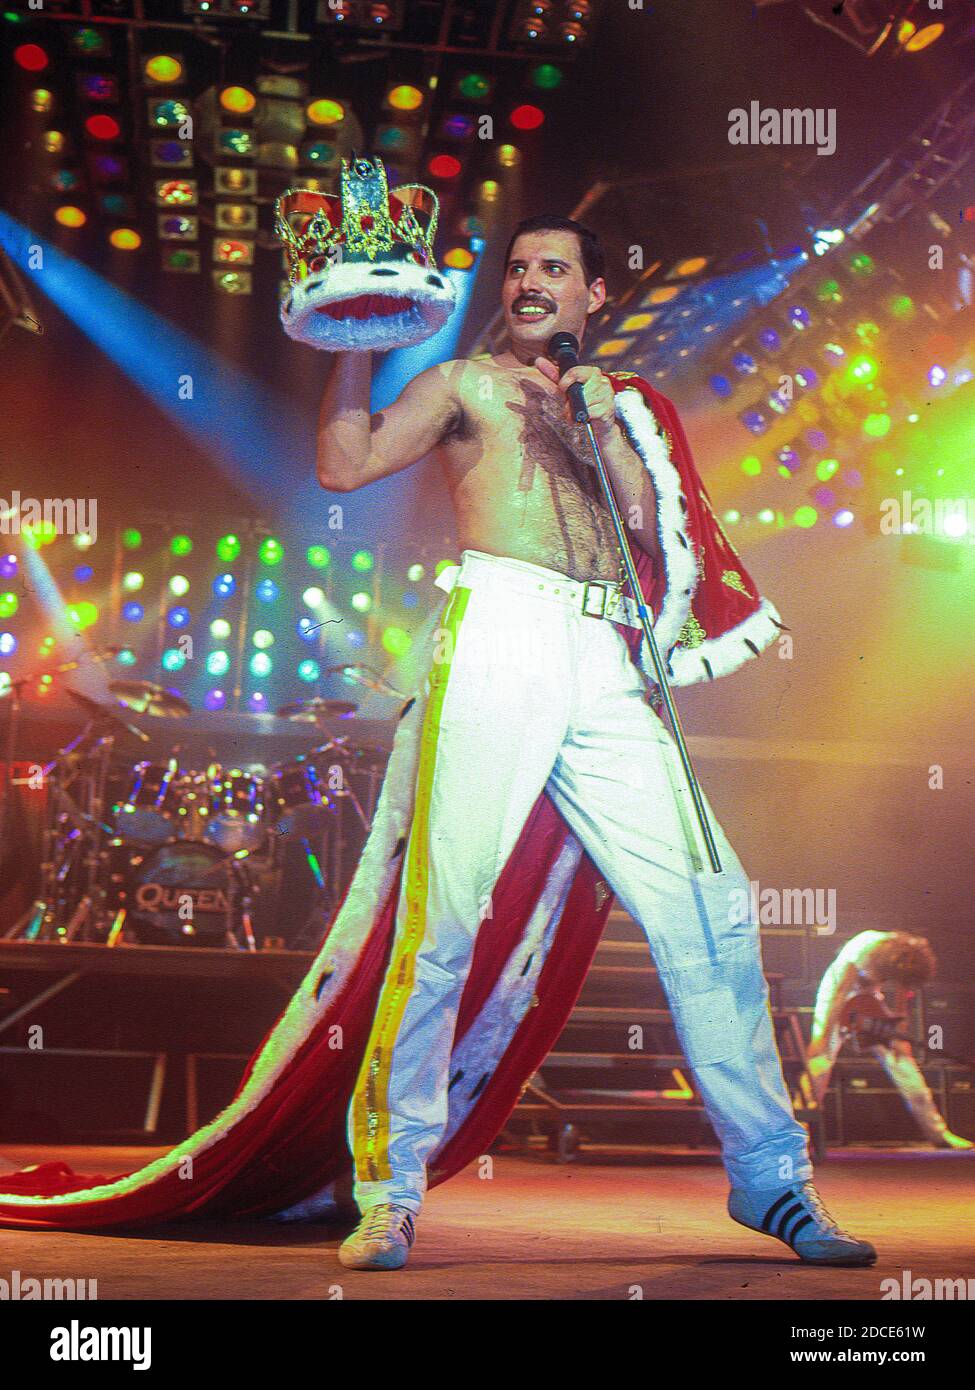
{"x":581,"y":416}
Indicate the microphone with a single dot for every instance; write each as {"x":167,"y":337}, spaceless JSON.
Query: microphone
{"x":563,"y":349}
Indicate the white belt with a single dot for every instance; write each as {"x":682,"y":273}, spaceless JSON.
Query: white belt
{"x":595,"y":598}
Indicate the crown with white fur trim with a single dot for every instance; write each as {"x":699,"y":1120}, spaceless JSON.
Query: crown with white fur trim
{"x":360,"y":263}
{"x":710,"y":615}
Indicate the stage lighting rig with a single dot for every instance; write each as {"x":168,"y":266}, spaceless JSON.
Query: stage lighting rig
{"x":362,"y":14}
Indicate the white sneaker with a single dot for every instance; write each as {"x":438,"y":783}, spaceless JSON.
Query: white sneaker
{"x":382,"y":1239}
{"x":796,"y":1216}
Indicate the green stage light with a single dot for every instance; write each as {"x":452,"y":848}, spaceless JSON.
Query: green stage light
{"x":362,"y":561}
{"x":9,"y":603}
{"x":829,"y":292}
{"x":876,"y":425}
{"x":262,"y":638}
{"x":901,"y":306}
{"x":173,"y":659}
{"x":220,"y":629}
{"x":181,"y":545}
{"x":862,"y":264}
{"x":126,"y":657}
{"x":751,"y":466}
{"x":805,"y":516}
{"x":309,"y":670}
{"x":271,"y":551}
{"x":228,"y":548}
{"x":218,"y":663}
{"x":547,"y":76}
{"x":318,"y":556}
{"x":862,"y":369}
{"x":261,"y":664}
{"x":825,"y":469}
{"x":415,"y":573}
{"x":396,"y":641}
{"x":131,"y":538}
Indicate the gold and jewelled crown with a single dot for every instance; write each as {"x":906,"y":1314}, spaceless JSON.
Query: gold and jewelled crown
{"x":366,"y":220}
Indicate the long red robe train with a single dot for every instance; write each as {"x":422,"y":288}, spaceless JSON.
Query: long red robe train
{"x":280,"y":1147}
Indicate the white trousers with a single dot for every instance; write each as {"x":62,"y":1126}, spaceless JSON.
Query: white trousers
{"x":530,"y":694}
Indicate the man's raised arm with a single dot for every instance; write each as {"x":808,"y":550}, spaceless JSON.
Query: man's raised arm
{"x":354,"y":447}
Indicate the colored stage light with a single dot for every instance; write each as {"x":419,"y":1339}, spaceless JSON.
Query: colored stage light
{"x":258,"y":702}
{"x":474,"y":86}
{"x":914,"y":40}
{"x":324,"y":111}
{"x":41,"y":99}
{"x":459,"y":258}
{"x":83,"y":614}
{"x":83,"y":573}
{"x":444,"y":166}
{"x":163,"y":68}
{"x":829,"y":292}
{"x":233,"y":252}
{"x":937,"y":375}
{"x":766,"y":516}
{"x":397,"y":641}
{"x":31,"y":57}
{"x":861,"y":264}
{"x":744,"y":364}
{"x":306,"y":629}
{"x":404,"y":98}
{"x":131,"y":538}
{"x":770,"y":340}
{"x":805,"y":516}
{"x":103,"y":127}
{"x":133,"y":612}
{"x":415,"y":573}
{"x":825,"y":469}
{"x":271,"y":551}
{"x":69,"y":216}
{"x":8,"y":644}
{"x":8,"y":566}
{"x":547,"y":76}
{"x":410,"y":599}
{"x":218,"y":663}
{"x":309,"y":670}
{"x":220,"y":629}
{"x":363,"y":560}
{"x":361,"y":602}
{"x":799,"y":316}
{"x":178,"y":617}
{"x":862,"y":369}
{"x":179,"y":585}
{"x":99,"y":86}
{"x":228,"y":548}
{"x":233,"y":281}
{"x":751,"y":466}
{"x":133,"y":581}
{"x":181,"y":545}
{"x":224,"y":585}
{"x":263,"y":639}
{"x":356,"y":638}
{"x":9,"y":603}
{"x":313,"y":597}
{"x":877,"y":425}
{"x":527,"y":117}
{"x":508,"y":156}
{"x":169,"y":113}
{"x":173,"y":659}
{"x":267,"y":591}
{"x":239,"y":142}
{"x":261,"y":664}
{"x":239,"y":100}
{"x":720,"y":385}
{"x":843,"y":517}
{"x":125,"y":239}
{"x":64,"y":181}
{"x":53,"y":141}
{"x":88,"y":41}
{"x":901,"y":306}
{"x":126,"y":657}
{"x":489,"y":190}
{"x":318,"y":557}
{"x":214,"y":699}
{"x":318,"y":152}
{"x":176,"y":192}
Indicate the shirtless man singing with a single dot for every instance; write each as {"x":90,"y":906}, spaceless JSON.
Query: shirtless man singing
{"x":534,"y":695}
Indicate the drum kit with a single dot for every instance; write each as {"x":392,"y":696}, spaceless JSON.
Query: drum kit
{"x":158,"y":853}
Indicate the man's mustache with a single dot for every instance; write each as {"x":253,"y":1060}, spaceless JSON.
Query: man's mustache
{"x":524,"y":300}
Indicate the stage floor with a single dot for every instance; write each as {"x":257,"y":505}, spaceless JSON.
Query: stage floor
{"x":537,"y":1230}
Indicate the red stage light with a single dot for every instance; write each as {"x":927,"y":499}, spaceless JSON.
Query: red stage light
{"x":103,"y":127}
{"x":527,"y":117}
{"x":444,"y":166}
{"x":31,"y":57}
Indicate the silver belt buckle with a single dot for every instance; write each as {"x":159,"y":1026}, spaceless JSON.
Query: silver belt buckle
{"x":587,"y":608}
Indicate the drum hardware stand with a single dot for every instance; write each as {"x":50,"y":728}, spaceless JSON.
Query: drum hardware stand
{"x":239,"y":870}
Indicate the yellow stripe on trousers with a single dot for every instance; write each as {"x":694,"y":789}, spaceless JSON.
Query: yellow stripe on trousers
{"x":370,"y":1101}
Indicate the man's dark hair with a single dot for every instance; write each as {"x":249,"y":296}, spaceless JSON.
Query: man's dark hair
{"x":590,"y":250}
{"x":907,"y":960}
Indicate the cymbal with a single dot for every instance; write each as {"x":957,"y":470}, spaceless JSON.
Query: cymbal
{"x":310,"y":711}
{"x":98,"y":713}
{"x":145,"y":697}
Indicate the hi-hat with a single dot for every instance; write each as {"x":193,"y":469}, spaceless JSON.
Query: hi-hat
{"x":145,"y":697}
{"x":310,"y":711}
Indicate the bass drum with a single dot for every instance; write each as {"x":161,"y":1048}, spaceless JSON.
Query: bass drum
{"x":182,"y":894}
